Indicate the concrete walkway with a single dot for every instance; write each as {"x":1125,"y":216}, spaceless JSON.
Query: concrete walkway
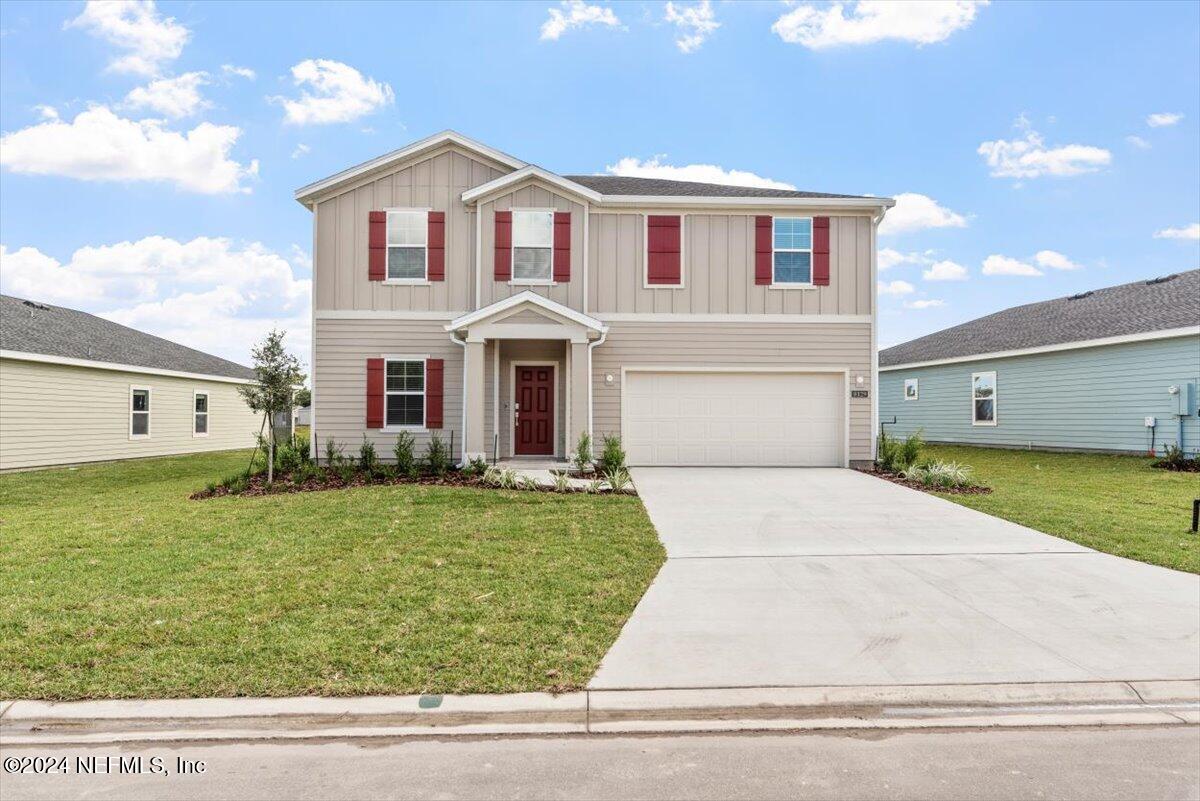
{"x":792,"y":577}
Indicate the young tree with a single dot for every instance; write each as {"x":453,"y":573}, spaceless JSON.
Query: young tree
{"x":278,"y":373}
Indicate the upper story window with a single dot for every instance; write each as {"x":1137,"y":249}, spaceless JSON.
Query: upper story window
{"x":983,"y":399}
{"x":791,"y":255}
{"x":200,"y":414}
{"x":533,"y":246}
{"x":404,"y":392}
{"x":407,"y":245}
{"x":139,"y":412}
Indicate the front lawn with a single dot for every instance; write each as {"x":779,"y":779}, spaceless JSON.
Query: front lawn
{"x":113,"y":584}
{"x":1116,"y":504}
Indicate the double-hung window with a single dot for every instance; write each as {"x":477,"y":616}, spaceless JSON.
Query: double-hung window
{"x":407,"y":241}
{"x":983,"y":399}
{"x":139,"y":412}
{"x":404,"y":392}
{"x":200,"y":414}
{"x":533,"y":246}
{"x":791,"y":256}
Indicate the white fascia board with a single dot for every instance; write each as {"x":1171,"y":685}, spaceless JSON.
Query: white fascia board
{"x":525,"y":297}
{"x":122,"y":368}
{"x":770,"y":319}
{"x":304,"y":193}
{"x":867,"y":204}
{"x":1146,"y":336}
{"x":530,"y":171}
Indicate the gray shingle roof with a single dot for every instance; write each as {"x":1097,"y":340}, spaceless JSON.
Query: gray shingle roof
{"x":623,"y":185}
{"x":1152,"y":305}
{"x":32,"y":327}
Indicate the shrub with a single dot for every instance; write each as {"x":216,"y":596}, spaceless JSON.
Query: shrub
{"x":613,"y":456}
{"x":367,"y":460}
{"x":477,"y":466}
{"x":595,"y":486}
{"x":946,"y":475}
{"x":406,"y":461}
{"x":894,"y":455}
{"x":333,"y":452}
{"x":529,"y":483}
{"x":437,"y":456}
{"x":583,"y":452}
{"x":562,"y":482}
{"x":236,"y":483}
{"x":617,"y":479}
{"x":500,"y":477}
{"x":1175,"y":458}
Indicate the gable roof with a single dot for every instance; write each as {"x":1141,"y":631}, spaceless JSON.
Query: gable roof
{"x":1142,"y":307}
{"x":27,"y":327}
{"x":522,"y":297}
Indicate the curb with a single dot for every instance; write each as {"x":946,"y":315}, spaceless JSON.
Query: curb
{"x":604,"y":712}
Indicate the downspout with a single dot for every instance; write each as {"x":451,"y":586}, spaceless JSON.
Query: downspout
{"x":462,"y":447}
{"x":591,"y":380}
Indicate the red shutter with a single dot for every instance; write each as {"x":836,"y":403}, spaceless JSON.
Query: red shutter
{"x":663,"y":249}
{"x":377,"y":245}
{"x":436,"y":232}
{"x":820,"y":267}
{"x":503,"y":245}
{"x":562,"y":246}
{"x":762,"y":250}
{"x":374,"y":393}
{"x":434,"y":370}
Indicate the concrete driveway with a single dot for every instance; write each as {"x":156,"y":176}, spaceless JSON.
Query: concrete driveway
{"x":801,"y":577}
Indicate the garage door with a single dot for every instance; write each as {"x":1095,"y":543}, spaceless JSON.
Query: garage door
{"x":741,"y":419}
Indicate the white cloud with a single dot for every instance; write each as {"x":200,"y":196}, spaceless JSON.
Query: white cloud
{"x":916,"y":212}
{"x":208,"y":293}
{"x":1183,"y":232}
{"x":945,"y":271}
{"x":174,"y":97}
{"x":234,"y":71}
{"x":576,"y":14}
{"x":924,"y":304}
{"x":1029,"y":157}
{"x":1163,"y":119}
{"x":301,"y":150}
{"x":299,"y":257}
{"x":702,"y":173}
{"x":1138,"y":142}
{"x":100,"y":146}
{"x":149,"y":39}
{"x":1054,"y":260}
{"x":919,"y":21}
{"x":1003,"y":265}
{"x":888,"y":258}
{"x":339,"y":93}
{"x":694,"y":24}
{"x":896,"y":288}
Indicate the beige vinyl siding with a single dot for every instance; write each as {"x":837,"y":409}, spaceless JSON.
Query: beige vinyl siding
{"x":833,"y":345}
{"x":718,"y":267}
{"x":434,"y":181}
{"x":57,"y":414}
{"x":342,"y":350}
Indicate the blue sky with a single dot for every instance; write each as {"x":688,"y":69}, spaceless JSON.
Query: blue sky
{"x":150,"y":151}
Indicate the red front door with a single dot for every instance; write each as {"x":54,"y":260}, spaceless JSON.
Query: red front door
{"x":534,"y":411}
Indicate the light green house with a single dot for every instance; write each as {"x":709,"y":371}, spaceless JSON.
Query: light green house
{"x":1115,"y":369}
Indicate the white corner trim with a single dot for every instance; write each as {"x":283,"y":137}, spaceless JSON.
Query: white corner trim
{"x":384,"y":314}
{"x":774,"y":319}
{"x":526,"y":296}
{"x":525,"y":173}
{"x":122,"y":368}
{"x":1145,"y":336}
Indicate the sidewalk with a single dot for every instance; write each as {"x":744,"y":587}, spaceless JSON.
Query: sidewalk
{"x":604,"y":712}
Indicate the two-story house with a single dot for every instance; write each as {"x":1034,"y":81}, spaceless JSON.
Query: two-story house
{"x":461,"y":291}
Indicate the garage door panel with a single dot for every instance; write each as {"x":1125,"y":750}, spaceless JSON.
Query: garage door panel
{"x":697,"y":418}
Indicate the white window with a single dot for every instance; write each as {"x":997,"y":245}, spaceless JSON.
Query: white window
{"x":910,"y":389}
{"x":407,"y":240}
{"x":139,"y":412}
{"x":533,"y":246}
{"x":404,"y":393}
{"x":983,"y":399}
{"x":200,"y":414}
{"x":791,"y":254}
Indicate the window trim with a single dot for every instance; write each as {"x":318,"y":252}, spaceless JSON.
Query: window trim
{"x":917,"y":389}
{"x":207,"y":411}
{"x":512,"y":250}
{"x":422,"y":281}
{"x":646,"y":252}
{"x":995,"y":399}
{"x":149,"y":411}
{"x":406,"y":357}
{"x":809,"y":250}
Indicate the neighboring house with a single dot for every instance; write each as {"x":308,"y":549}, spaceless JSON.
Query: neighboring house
{"x":461,"y":292}
{"x":303,"y":416}
{"x":78,"y":388}
{"x":1114,"y":369}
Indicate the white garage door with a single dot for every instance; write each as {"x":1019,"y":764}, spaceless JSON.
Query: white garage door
{"x":740,"y":419}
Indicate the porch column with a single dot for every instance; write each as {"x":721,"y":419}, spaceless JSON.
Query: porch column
{"x":476,"y":364}
{"x":581,"y":391}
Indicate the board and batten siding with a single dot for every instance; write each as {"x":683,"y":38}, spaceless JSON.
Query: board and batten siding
{"x":52,"y":414}
{"x":836,"y":346}
{"x":1086,"y":399}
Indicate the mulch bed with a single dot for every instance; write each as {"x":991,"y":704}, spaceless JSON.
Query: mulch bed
{"x":896,"y":479}
{"x":1187,"y":466}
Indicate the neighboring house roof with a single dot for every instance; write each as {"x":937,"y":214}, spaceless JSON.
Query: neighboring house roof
{"x":1139,"y":308}
{"x":662,"y":187}
{"x":39,"y":328}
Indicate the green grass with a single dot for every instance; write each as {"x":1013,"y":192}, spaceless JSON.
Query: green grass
{"x":113,"y":584}
{"x":1116,"y":504}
